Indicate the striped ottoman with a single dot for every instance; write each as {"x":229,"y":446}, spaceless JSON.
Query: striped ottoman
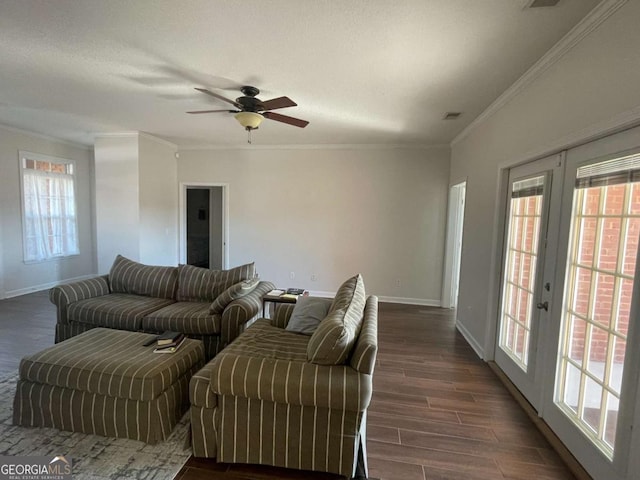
{"x":106,"y":382}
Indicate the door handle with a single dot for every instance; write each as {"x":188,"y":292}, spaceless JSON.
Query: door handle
{"x":543,"y":306}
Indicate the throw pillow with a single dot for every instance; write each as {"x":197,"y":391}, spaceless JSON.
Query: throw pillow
{"x":334,"y":338}
{"x":307,"y":314}
{"x":127,"y":276}
{"x":232,"y":293}
{"x":227,"y":278}
{"x":197,"y":284}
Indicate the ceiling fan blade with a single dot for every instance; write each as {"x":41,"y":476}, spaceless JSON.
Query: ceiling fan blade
{"x":219,"y":97}
{"x":213,"y":111}
{"x":296,"y":122}
{"x":280,"y":102}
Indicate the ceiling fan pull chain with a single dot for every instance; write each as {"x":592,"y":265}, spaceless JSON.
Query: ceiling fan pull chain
{"x":249,"y":135}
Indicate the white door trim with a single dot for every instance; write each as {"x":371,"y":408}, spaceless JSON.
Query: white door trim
{"x":182,"y":219}
{"x":455,"y":220}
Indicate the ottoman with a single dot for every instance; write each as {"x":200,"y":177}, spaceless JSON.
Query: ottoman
{"x":106,"y":382}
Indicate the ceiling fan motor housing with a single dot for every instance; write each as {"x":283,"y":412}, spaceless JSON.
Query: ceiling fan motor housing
{"x":249,"y":101}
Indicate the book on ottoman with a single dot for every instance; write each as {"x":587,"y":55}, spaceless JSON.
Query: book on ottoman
{"x":167,"y":338}
{"x":170,"y":347}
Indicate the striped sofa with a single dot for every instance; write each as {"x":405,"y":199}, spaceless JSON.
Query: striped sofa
{"x":213,"y":306}
{"x":262,"y":401}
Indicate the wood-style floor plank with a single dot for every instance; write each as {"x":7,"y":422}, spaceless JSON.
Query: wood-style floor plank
{"x":438,"y":412}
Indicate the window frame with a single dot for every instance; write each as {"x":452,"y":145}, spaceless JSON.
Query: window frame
{"x":23,"y":156}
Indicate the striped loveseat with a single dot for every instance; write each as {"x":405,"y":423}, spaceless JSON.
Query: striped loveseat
{"x":209,"y":305}
{"x":265,"y":400}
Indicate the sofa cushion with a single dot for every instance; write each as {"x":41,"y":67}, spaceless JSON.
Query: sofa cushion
{"x":185,"y":317}
{"x":197,"y":284}
{"x":116,"y":310}
{"x":270,"y":364}
{"x":263,"y":340}
{"x":334,"y":338}
{"x":127,"y":276}
{"x":307,"y":314}
{"x":232,"y":293}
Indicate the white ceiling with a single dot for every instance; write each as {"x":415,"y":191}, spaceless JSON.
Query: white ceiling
{"x":361,"y":71}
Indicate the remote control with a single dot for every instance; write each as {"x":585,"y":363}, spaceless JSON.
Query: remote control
{"x":150,"y":342}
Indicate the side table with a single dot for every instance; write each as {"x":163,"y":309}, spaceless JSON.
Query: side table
{"x":277,"y":299}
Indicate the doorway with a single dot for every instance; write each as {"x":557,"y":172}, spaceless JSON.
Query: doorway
{"x":203,"y":241}
{"x":455,"y":223}
{"x":567,"y":331}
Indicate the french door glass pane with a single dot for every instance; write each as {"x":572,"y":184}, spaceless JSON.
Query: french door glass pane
{"x":605,"y":228}
{"x":525,"y":216}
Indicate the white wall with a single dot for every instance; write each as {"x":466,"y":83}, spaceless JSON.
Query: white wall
{"x":117,"y":193}
{"x":333,"y":213}
{"x":16,"y":277}
{"x":592,"y":88}
{"x":136,"y":200}
{"x":158,"y":202}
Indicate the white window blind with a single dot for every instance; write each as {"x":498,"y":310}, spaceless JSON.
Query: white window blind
{"x":50,"y":224}
{"x":612,"y":172}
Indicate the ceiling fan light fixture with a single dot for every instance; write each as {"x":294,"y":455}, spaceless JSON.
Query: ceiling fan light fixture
{"x":249,"y":120}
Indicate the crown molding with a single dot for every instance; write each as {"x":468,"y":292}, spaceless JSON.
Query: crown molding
{"x":131,"y":134}
{"x":327,"y":146}
{"x":591,"y":22}
{"x":45,"y":137}
{"x":135,"y":134}
{"x":153,"y":138}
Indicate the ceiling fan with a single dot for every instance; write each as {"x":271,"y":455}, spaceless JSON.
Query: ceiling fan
{"x":251,"y":110}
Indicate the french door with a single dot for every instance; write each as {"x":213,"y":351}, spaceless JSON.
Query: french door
{"x":528,"y":271}
{"x":569,"y":328}
{"x":597,"y":346}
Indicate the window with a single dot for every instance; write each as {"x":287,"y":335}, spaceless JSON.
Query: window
{"x":50,"y":224}
{"x":525,"y":218}
{"x":602,"y":261}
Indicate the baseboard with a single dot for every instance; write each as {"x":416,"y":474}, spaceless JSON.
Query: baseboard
{"x":426,"y":302}
{"x":407,"y":301}
{"x":43,"y":286}
{"x":470,"y":340}
{"x":322,"y":294}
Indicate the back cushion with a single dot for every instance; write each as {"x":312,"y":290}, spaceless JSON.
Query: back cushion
{"x":334,"y":338}
{"x":127,"y":276}
{"x":197,"y":284}
{"x":307,"y":314}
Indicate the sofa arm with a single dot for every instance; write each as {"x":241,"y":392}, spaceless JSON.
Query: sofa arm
{"x":289,"y":382}
{"x":241,"y":311}
{"x":363,"y":355}
{"x":282,"y":314}
{"x":63,"y":295}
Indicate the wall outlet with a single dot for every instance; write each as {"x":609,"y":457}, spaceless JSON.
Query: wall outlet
{"x":314,"y":277}
{"x":292,"y":275}
{"x":398,"y":282}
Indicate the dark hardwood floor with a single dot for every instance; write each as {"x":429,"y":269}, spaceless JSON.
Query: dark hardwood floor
{"x":438,"y":412}
{"x":27,"y":325}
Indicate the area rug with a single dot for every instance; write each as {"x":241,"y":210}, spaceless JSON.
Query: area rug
{"x":94,"y":457}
